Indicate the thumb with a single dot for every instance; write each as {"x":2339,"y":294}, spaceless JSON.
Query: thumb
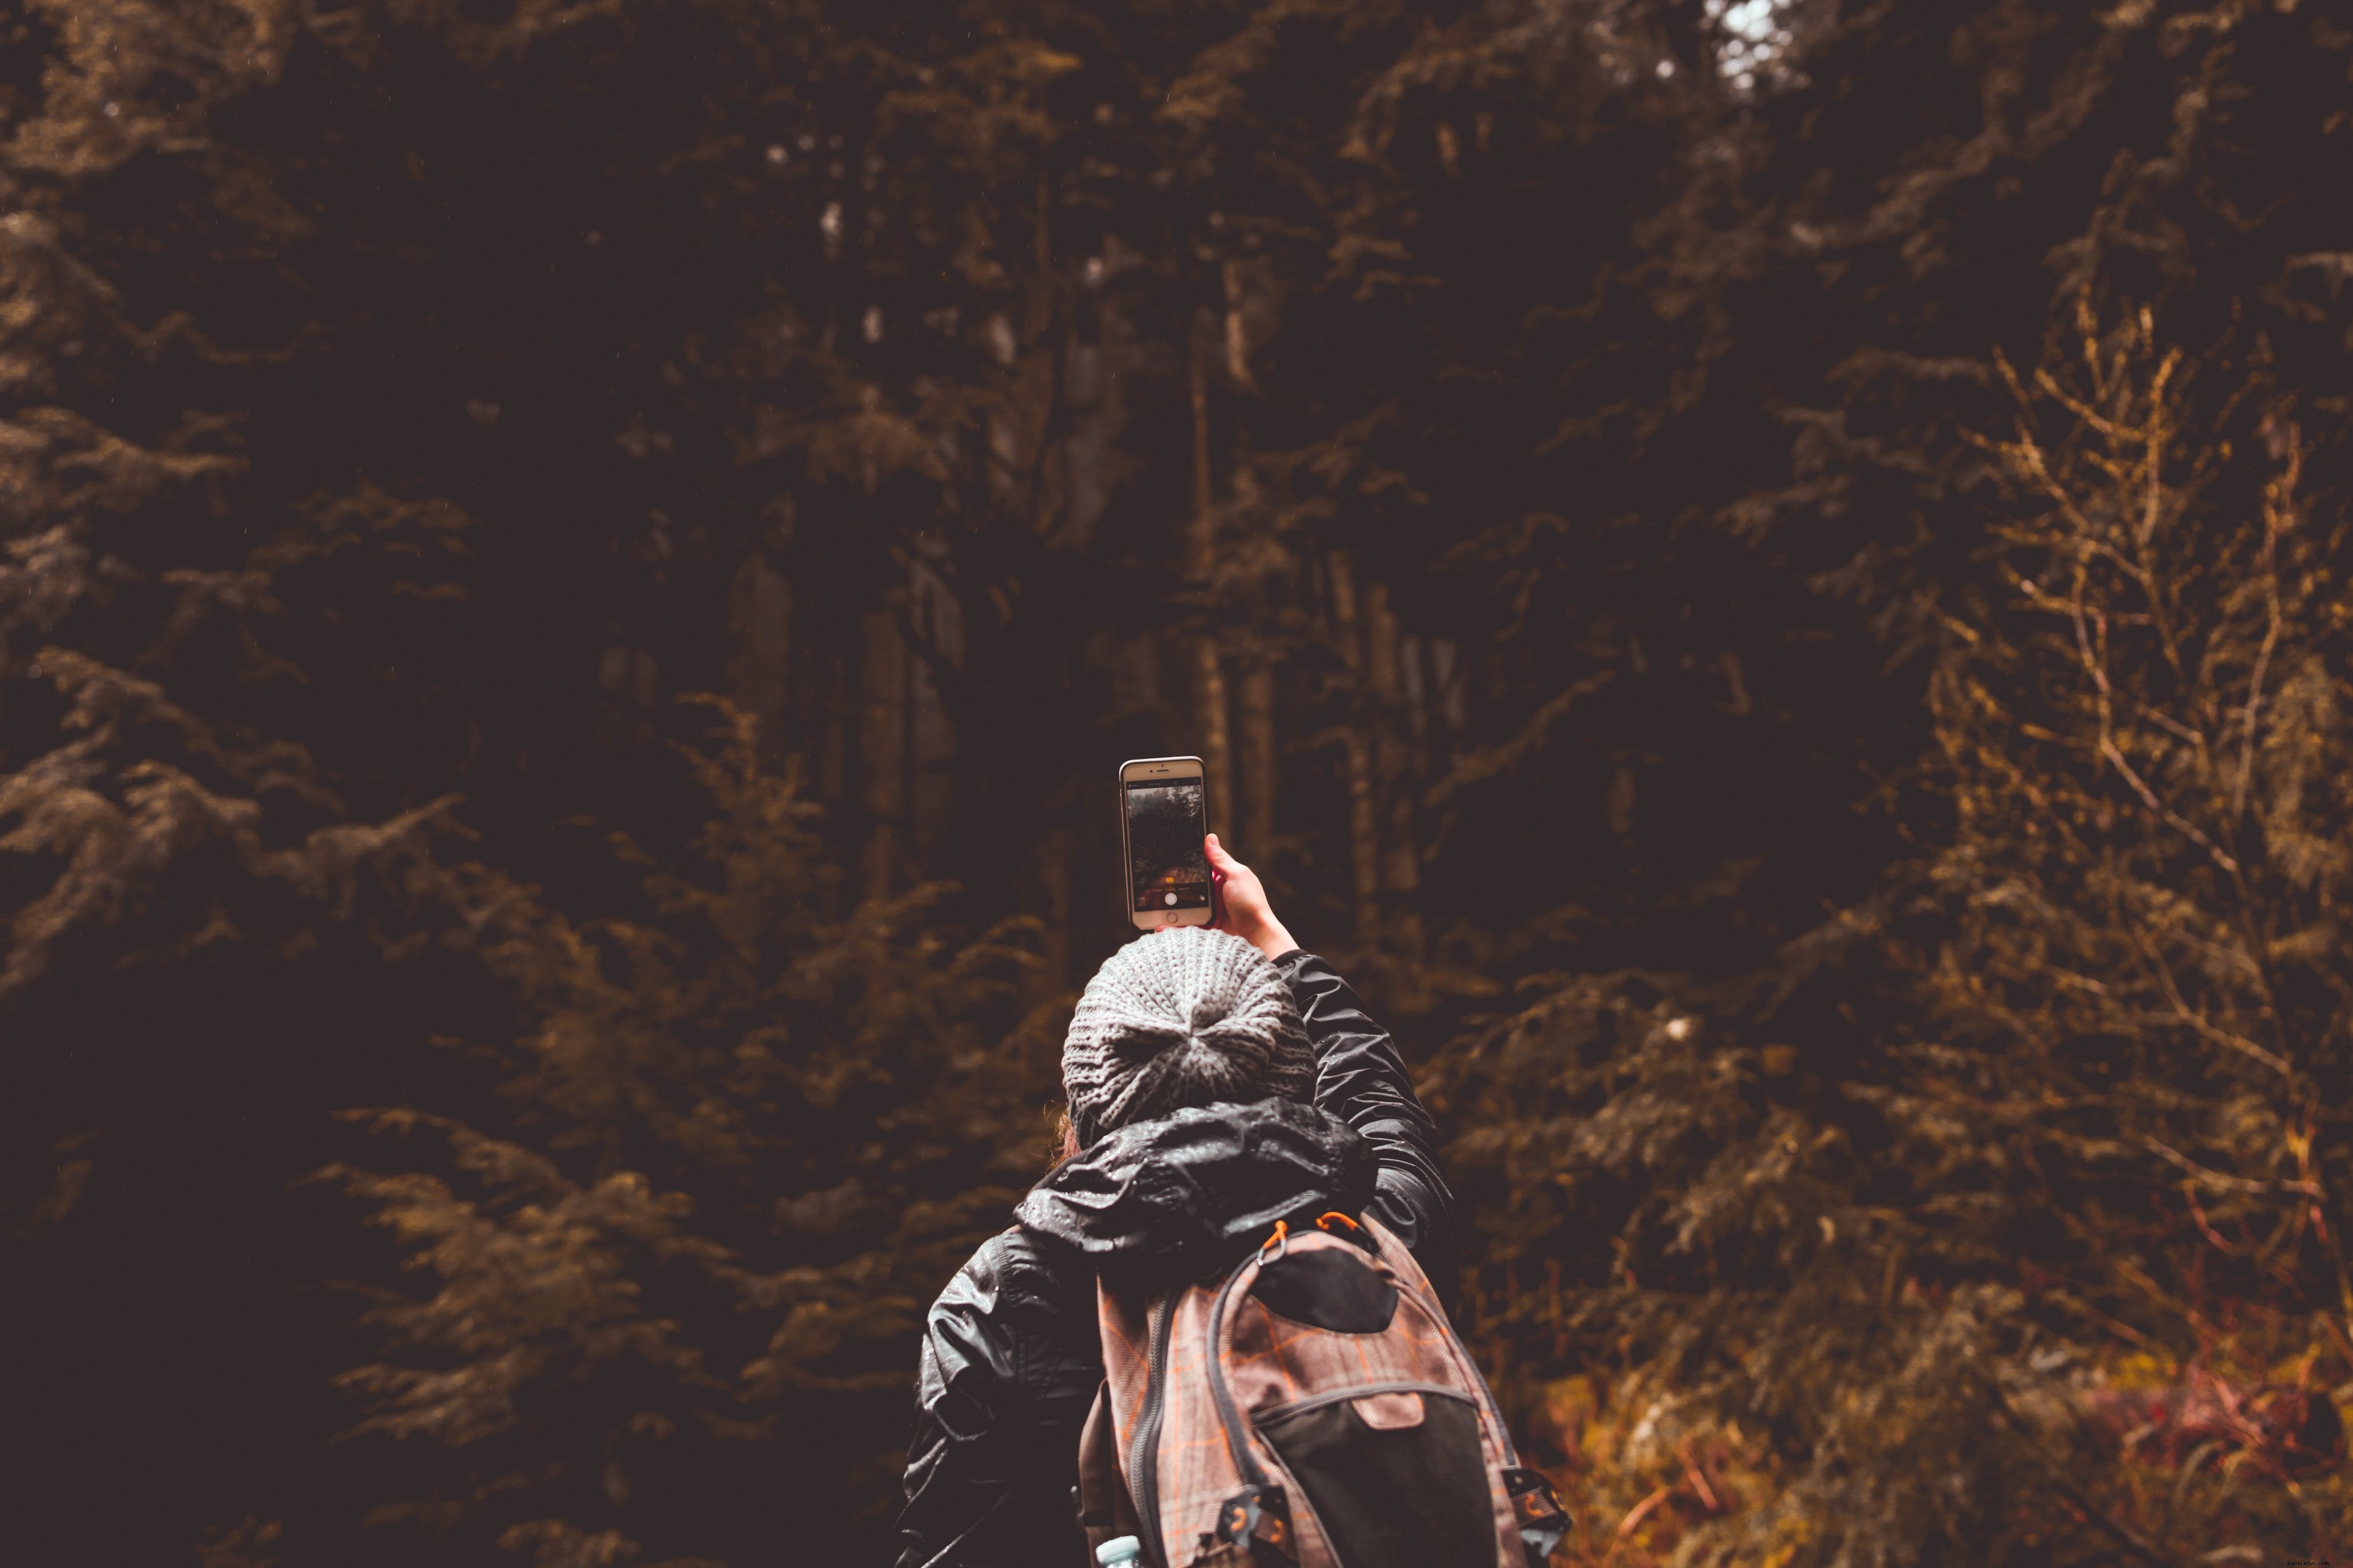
{"x":1219,"y":857}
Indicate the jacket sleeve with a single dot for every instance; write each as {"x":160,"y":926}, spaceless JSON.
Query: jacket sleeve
{"x":990,"y":1466}
{"x":1361,"y":1079}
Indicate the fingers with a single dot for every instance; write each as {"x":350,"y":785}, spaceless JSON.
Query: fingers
{"x":1219,"y":857}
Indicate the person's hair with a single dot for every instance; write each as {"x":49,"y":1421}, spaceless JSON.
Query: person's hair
{"x":1064,"y":1146}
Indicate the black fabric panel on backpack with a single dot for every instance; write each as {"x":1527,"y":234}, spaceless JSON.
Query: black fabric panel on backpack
{"x":1327,"y":1289}
{"x":1414,"y":1497}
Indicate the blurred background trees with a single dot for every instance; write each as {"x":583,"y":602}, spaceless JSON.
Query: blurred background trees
{"x":1770,"y":576}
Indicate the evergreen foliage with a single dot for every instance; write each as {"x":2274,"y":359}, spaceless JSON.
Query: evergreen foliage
{"x":1770,"y":578}
{"x":1995,"y":1219}
{"x":598,"y":1324}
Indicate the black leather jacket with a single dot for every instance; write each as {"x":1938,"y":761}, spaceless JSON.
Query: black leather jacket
{"x":1010,"y":1357}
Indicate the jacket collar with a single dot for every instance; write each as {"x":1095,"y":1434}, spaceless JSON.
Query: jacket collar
{"x":1192,"y":1191}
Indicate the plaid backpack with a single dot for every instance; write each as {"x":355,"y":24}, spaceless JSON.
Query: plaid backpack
{"x":1312,"y":1409}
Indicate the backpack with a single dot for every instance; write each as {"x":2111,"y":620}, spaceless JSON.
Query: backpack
{"x":1312,"y":1409}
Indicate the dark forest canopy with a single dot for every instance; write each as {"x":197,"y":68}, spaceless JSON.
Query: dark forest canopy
{"x":1773,"y":579}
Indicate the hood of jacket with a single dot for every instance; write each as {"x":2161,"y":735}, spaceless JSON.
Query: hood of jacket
{"x":1192,"y":1191}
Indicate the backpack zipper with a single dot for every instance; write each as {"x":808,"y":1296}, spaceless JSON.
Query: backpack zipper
{"x":1143,"y":1484}
{"x":1245,"y":1462}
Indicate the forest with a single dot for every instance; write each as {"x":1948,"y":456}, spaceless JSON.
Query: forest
{"x":1773,"y":579}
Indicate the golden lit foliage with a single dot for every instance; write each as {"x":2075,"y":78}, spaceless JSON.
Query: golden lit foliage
{"x":2046,"y":1264}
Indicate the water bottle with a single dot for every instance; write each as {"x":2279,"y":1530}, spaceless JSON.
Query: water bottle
{"x":1127,"y":1552}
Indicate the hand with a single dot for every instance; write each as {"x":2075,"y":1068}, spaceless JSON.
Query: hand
{"x":1245,"y":912}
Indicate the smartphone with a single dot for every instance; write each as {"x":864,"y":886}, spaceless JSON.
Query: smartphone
{"x":1162,"y":817}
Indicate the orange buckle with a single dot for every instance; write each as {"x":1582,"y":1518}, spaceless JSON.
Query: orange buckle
{"x":1280,"y":1242}
{"x":1324,"y":1221}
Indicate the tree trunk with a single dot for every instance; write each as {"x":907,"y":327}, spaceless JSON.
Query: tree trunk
{"x":835,"y":713}
{"x":1055,"y":848}
{"x":1364,"y":829}
{"x":1400,"y":862}
{"x":1209,"y":681}
{"x":931,"y":733}
{"x":1379,"y":630}
{"x":882,"y":748}
{"x":1216,"y":740}
{"x":1343,"y":574}
{"x":1258,"y":761}
{"x":1413,"y":670}
{"x":1363,"y":792}
{"x":759,"y":670}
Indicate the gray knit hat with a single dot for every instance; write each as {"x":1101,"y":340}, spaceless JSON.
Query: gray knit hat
{"x":1185,"y":1015}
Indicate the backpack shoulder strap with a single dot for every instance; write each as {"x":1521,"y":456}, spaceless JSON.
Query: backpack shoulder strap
{"x":1536,"y":1508}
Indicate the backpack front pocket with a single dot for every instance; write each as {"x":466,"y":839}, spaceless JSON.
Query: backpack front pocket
{"x":1392,"y":1487}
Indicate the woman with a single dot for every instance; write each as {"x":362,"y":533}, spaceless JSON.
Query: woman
{"x":1316,"y":1112}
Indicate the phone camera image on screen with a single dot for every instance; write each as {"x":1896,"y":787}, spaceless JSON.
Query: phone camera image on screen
{"x":1164,"y":844}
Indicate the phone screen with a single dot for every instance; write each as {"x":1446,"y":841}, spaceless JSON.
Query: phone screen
{"x":1165,"y":827}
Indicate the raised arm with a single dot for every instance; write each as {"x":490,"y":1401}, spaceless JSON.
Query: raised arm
{"x":1359,"y":1077}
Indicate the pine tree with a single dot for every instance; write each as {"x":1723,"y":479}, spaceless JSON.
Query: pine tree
{"x":744,"y":1142}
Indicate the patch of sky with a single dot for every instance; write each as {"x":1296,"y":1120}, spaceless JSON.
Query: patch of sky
{"x":1755,"y":32}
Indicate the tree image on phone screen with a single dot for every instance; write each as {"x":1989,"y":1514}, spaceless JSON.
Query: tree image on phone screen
{"x":1163,"y":843}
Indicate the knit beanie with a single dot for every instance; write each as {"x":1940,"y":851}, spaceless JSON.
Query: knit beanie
{"x":1185,"y":1015}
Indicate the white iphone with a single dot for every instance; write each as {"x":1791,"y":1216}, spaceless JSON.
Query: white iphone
{"x":1162,"y":817}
